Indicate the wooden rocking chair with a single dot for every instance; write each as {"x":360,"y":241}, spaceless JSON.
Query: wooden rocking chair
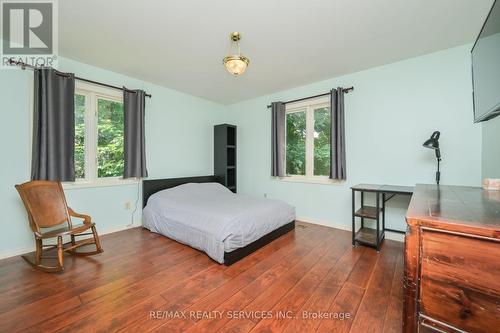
{"x":46,"y":206}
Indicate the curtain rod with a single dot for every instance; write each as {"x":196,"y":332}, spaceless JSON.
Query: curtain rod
{"x":24,"y":66}
{"x":346,"y":90}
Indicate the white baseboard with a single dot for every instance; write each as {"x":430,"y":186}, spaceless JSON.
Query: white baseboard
{"x":19,"y":251}
{"x":388,"y":235}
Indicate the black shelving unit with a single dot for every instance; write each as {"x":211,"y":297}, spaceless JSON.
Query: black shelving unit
{"x":364,"y":235}
{"x":373,"y":236}
{"x":225,"y":155}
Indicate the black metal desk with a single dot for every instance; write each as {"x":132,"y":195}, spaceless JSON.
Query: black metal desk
{"x":368,"y":236}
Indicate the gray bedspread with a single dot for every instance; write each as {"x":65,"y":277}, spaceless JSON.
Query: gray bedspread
{"x":209,"y":217}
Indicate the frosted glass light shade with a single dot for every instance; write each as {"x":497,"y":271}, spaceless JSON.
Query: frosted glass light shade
{"x":236,"y":65}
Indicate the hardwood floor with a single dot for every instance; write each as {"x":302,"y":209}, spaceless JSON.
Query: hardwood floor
{"x":144,"y":282}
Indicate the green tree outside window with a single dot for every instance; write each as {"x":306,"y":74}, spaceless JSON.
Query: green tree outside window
{"x":298,"y":141}
{"x":110,"y":123}
{"x":322,"y":123}
{"x":79,"y":136}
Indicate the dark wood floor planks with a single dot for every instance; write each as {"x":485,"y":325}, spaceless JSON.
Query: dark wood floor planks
{"x":313,"y":270}
{"x":371,"y":313}
{"x":394,"y":316}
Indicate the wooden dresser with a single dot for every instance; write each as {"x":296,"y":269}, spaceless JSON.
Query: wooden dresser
{"x":452,"y":260}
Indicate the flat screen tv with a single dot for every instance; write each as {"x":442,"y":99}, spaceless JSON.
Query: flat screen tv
{"x":486,"y":68}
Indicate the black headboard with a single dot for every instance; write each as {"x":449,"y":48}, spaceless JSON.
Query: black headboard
{"x":150,"y":187}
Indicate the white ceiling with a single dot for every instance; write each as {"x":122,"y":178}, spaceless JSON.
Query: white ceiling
{"x":180,"y":43}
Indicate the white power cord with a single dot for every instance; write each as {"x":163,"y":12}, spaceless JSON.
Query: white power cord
{"x":136,"y":204}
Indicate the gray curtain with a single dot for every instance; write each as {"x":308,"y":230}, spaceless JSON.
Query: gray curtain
{"x":337,"y":132}
{"x":134,"y":104}
{"x":53,"y":151}
{"x":278,"y":139}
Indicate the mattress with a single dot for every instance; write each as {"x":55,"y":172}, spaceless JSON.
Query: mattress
{"x":210,"y":218}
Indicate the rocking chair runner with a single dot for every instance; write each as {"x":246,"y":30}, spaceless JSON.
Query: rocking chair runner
{"x":46,"y":206}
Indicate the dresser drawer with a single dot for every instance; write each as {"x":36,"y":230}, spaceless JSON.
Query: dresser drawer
{"x":460,"y":281}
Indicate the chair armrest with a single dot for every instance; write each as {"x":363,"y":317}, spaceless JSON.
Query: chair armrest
{"x":86,"y":219}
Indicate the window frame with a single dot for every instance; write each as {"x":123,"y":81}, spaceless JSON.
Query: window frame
{"x":92,"y":94}
{"x":307,"y":106}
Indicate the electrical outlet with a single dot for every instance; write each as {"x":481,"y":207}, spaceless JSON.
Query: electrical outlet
{"x":127,"y":205}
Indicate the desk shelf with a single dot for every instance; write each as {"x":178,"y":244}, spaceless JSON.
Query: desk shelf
{"x":368,"y":236}
{"x":368,"y":212}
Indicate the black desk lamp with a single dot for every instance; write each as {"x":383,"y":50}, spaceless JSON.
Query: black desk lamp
{"x":433,"y":143}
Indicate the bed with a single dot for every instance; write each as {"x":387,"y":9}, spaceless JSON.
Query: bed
{"x":202,"y":213}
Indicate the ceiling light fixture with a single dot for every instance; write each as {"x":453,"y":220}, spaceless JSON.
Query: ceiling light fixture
{"x":236,"y":64}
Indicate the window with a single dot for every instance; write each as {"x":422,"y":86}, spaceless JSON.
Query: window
{"x":99,"y":124}
{"x":308,"y":139}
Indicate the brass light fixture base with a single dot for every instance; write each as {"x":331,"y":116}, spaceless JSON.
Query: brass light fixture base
{"x":235,"y":36}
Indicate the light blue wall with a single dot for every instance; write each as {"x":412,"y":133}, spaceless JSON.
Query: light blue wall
{"x":392,"y":111}
{"x":179,"y":142}
{"x":491,"y":148}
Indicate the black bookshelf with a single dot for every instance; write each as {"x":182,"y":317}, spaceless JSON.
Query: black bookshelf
{"x":225,"y":155}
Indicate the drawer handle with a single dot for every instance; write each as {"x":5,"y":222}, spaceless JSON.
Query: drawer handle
{"x":466,"y":310}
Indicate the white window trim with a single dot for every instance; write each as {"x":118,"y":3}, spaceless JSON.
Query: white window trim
{"x":92,"y":93}
{"x":313,"y":180}
{"x":308,"y":106}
